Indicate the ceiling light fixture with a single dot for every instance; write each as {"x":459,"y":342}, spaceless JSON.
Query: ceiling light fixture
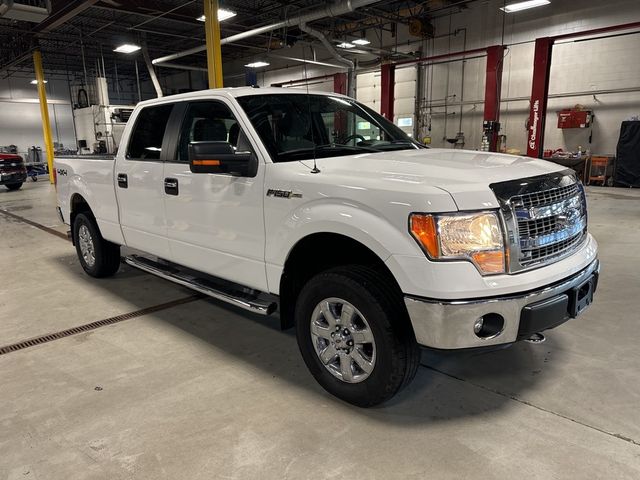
{"x":35,"y":82}
{"x":361,"y":41}
{"x":223,"y":14}
{"x":127,"y":48}
{"x":346,"y":45}
{"x":257,"y":64}
{"x":519,"y":6}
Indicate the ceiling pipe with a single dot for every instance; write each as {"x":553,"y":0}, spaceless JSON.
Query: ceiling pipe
{"x":303,"y":60}
{"x":152,"y":72}
{"x":181,"y":67}
{"x":351,"y":84}
{"x":333,"y":10}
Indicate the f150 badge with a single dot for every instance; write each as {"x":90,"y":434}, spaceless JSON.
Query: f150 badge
{"x":282,"y":194}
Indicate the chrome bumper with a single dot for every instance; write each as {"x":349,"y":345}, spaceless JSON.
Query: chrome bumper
{"x":448,"y":324}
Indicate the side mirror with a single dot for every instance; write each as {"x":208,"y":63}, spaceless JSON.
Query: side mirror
{"x":219,"y":157}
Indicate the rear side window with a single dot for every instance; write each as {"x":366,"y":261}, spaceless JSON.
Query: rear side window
{"x":148,"y":133}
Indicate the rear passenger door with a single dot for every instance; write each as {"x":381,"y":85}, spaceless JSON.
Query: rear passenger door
{"x":139,"y":184}
{"x":215,"y":221}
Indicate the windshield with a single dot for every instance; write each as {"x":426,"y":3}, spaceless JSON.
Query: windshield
{"x":297,"y":127}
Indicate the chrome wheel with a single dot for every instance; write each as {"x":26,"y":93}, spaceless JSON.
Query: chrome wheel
{"x":343,"y":340}
{"x":86,"y":246}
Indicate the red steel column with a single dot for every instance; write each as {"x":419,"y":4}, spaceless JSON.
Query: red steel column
{"x":340,"y":117}
{"x":387,"y":85}
{"x":492,"y":90}
{"x":539,"y":96}
{"x":340,"y":83}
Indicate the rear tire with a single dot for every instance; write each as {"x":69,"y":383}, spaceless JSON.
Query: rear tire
{"x":14,"y":186}
{"x":98,"y":257}
{"x":376,"y":353}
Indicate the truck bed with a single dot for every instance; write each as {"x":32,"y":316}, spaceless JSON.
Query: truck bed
{"x":92,"y":178}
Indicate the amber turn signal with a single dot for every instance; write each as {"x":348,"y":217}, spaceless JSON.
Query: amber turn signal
{"x":489,"y":262}
{"x":423,"y":228}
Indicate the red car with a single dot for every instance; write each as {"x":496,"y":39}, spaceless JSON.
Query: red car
{"x":13,"y":172}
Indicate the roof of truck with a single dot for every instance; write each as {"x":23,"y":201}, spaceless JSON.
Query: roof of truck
{"x":237,"y":92}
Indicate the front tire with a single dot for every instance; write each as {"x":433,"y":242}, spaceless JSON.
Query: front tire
{"x":354,"y":335}
{"x":98,"y":257}
{"x":14,"y":186}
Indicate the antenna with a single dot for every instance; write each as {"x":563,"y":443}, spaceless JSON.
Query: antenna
{"x":306,"y":82}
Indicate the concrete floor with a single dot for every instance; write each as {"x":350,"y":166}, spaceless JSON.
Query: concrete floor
{"x":204,"y":391}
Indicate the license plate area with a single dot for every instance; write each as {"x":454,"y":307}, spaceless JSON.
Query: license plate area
{"x":581,"y":296}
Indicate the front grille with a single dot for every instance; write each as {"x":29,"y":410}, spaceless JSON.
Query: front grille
{"x":547,"y":197}
{"x":546,"y":218}
{"x":534,"y":228}
{"x":541,"y":253}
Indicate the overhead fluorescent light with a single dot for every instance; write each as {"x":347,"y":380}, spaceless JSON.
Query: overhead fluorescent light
{"x":519,"y":6}
{"x":35,"y":82}
{"x":223,"y":14}
{"x":257,"y":64}
{"x":346,"y":45}
{"x":127,"y":48}
{"x":361,"y":41}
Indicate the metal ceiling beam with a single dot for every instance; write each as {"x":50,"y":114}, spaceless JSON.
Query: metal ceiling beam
{"x":147,"y":15}
{"x":66,"y":13}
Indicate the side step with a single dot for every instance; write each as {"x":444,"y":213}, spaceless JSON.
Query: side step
{"x":245,"y":298}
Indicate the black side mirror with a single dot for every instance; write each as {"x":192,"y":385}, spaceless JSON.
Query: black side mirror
{"x":219,"y":157}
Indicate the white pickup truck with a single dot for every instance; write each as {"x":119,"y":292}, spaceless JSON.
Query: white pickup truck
{"x":317,"y":207}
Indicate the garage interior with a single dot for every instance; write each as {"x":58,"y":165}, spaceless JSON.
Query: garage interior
{"x":136,"y":377}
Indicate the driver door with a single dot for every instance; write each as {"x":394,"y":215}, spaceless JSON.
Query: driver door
{"x":215,"y":221}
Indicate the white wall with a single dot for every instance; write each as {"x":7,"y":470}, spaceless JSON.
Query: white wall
{"x":20,"y":120}
{"x":586,"y":66}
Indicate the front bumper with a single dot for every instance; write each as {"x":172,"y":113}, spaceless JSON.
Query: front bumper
{"x":11,"y":178}
{"x":448,"y":324}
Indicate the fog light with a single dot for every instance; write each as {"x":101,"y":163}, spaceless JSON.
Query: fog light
{"x":489,"y":326}
{"x":477,"y":327}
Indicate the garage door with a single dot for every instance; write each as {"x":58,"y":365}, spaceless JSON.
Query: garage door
{"x":368,"y":91}
{"x":404,"y":105}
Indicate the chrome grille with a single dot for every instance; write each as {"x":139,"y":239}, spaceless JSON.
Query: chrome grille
{"x":555,"y":249}
{"x":547,"y":197}
{"x":546,"y":218}
{"x":534,"y":228}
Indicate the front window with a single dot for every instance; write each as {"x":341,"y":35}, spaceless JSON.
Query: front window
{"x":299,"y":127}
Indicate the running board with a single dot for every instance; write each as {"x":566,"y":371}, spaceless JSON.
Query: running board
{"x":242,"y":297}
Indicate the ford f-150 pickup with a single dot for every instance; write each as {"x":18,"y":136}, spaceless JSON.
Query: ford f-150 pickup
{"x":315,"y":206}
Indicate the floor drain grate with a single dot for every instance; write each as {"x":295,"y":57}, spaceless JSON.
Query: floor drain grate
{"x":93,"y":325}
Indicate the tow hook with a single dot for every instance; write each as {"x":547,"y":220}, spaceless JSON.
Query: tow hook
{"x":536,"y":338}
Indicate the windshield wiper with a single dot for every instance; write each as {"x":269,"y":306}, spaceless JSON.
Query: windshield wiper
{"x":348,"y":147}
{"x":327,"y":146}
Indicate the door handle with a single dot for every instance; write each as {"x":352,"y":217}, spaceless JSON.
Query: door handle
{"x":171,"y":186}
{"x":123,"y":181}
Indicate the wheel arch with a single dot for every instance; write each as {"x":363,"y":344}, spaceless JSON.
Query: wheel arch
{"x":316,"y":253}
{"x":77,"y":204}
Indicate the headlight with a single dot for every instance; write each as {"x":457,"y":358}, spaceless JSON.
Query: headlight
{"x":476,"y":237}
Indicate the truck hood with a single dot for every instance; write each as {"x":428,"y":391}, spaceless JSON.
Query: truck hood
{"x":465,"y":174}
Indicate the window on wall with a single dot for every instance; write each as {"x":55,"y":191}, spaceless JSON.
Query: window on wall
{"x":209,"y":121}
{"x":148,"y":133}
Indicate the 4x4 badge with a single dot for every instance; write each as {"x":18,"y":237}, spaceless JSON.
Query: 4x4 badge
{"x":282,"y":193}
